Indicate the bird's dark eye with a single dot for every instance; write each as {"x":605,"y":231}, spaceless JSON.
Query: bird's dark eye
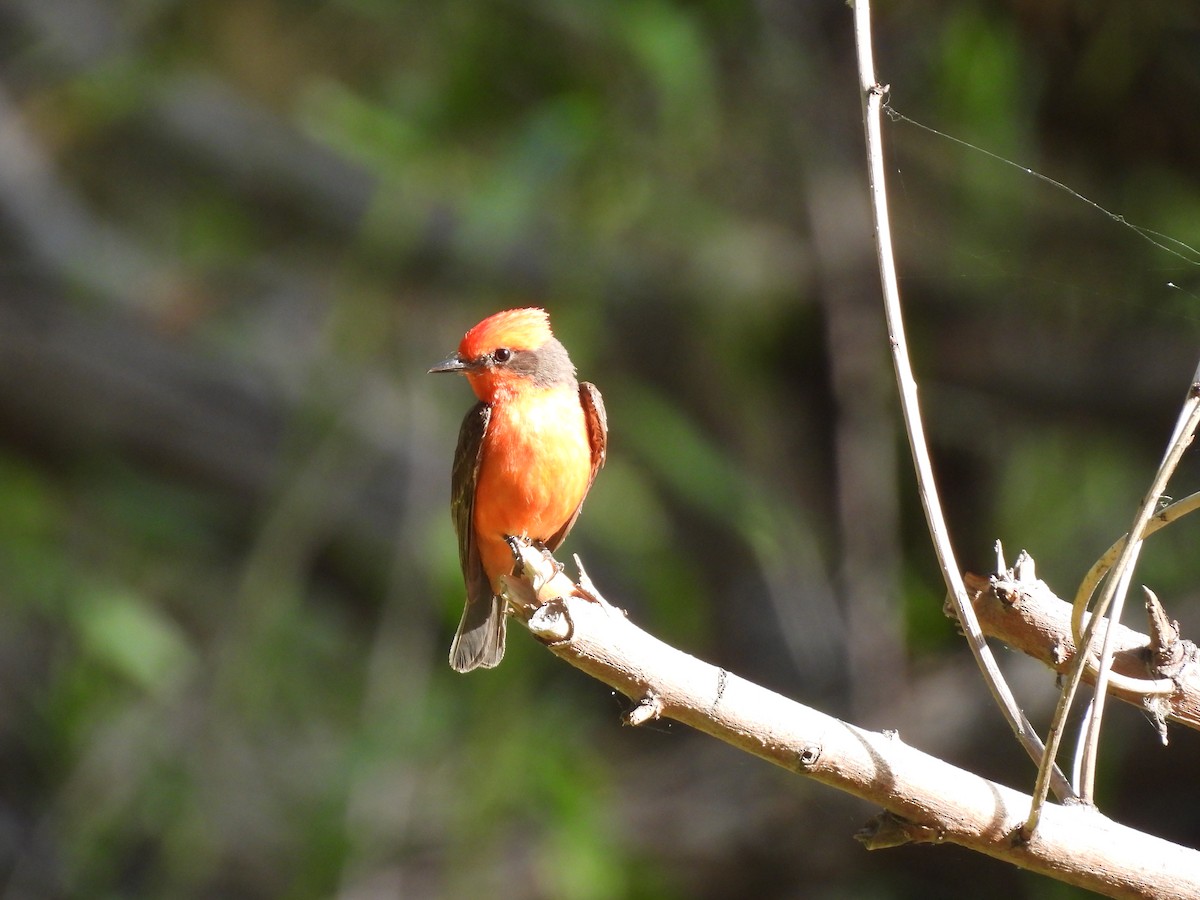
{"x":502,"y":355}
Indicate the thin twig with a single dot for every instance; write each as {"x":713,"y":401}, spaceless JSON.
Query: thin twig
{"x":1089,"y":737}
{"x":1185,"y":428}
{"x":1147,"y":687}
{"x":1119,"y":576}
{"x":1164,"y":517}
{"x":872,"y":98}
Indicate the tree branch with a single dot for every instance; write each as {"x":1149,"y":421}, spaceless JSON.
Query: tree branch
{"x":925,"y":799}
{"x":1029,"y":617}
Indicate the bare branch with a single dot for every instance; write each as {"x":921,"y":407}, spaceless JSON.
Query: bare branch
{"x":925,"y":799}
{"x":1185,"y":428}
{"x":1029,"y":617}
{"x":1112,"y":594}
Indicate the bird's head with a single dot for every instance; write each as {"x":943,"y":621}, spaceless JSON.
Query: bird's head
{"x":508,"y":351}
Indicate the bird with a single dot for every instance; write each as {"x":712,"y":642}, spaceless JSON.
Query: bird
{"x":528,"y":452}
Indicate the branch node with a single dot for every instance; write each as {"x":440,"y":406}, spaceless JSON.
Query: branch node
{"x":1166,"y":651}
{"x":648,"y":709}
{"x":809,"y":754}
{"x":1025,"y":569}
{"x":1021,"y":835}
{"x":1059,"y":654}
{"x":585,"y":588}
{"x":1158,"y":707}
{"x":890,"y":830}
{"x":551,"y":623}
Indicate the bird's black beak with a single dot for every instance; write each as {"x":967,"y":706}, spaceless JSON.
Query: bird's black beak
{"x":453,"y":363}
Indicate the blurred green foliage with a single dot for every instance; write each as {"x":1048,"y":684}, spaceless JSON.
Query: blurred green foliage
{"x":237,"y":234}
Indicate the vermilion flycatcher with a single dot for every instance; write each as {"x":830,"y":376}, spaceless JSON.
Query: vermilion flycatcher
{"x":527,"y":455}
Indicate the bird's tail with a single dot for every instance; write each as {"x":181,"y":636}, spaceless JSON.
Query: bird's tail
{"x":479,"y":642}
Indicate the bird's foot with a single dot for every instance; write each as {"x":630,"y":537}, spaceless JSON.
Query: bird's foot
{"x":514,"y":545}
{"x":549,"y":557}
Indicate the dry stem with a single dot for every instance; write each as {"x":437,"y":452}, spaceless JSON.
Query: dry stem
{"x":926,"y":799}
{"x":872,"y":98}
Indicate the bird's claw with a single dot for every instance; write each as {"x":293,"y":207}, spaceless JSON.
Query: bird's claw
{"x":514,"y":545}
{"x":549,"y":557}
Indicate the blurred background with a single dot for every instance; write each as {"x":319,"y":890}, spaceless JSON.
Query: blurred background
{"x":236,"y":233}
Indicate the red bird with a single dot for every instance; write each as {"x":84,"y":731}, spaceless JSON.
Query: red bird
{"x":527,"y":455}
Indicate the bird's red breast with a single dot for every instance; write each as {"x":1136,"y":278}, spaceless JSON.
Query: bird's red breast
{"x":535,"y":470}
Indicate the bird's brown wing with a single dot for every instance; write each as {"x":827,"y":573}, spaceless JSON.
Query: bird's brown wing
{"x":597,"y":425}
{"x":480,"y":637}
